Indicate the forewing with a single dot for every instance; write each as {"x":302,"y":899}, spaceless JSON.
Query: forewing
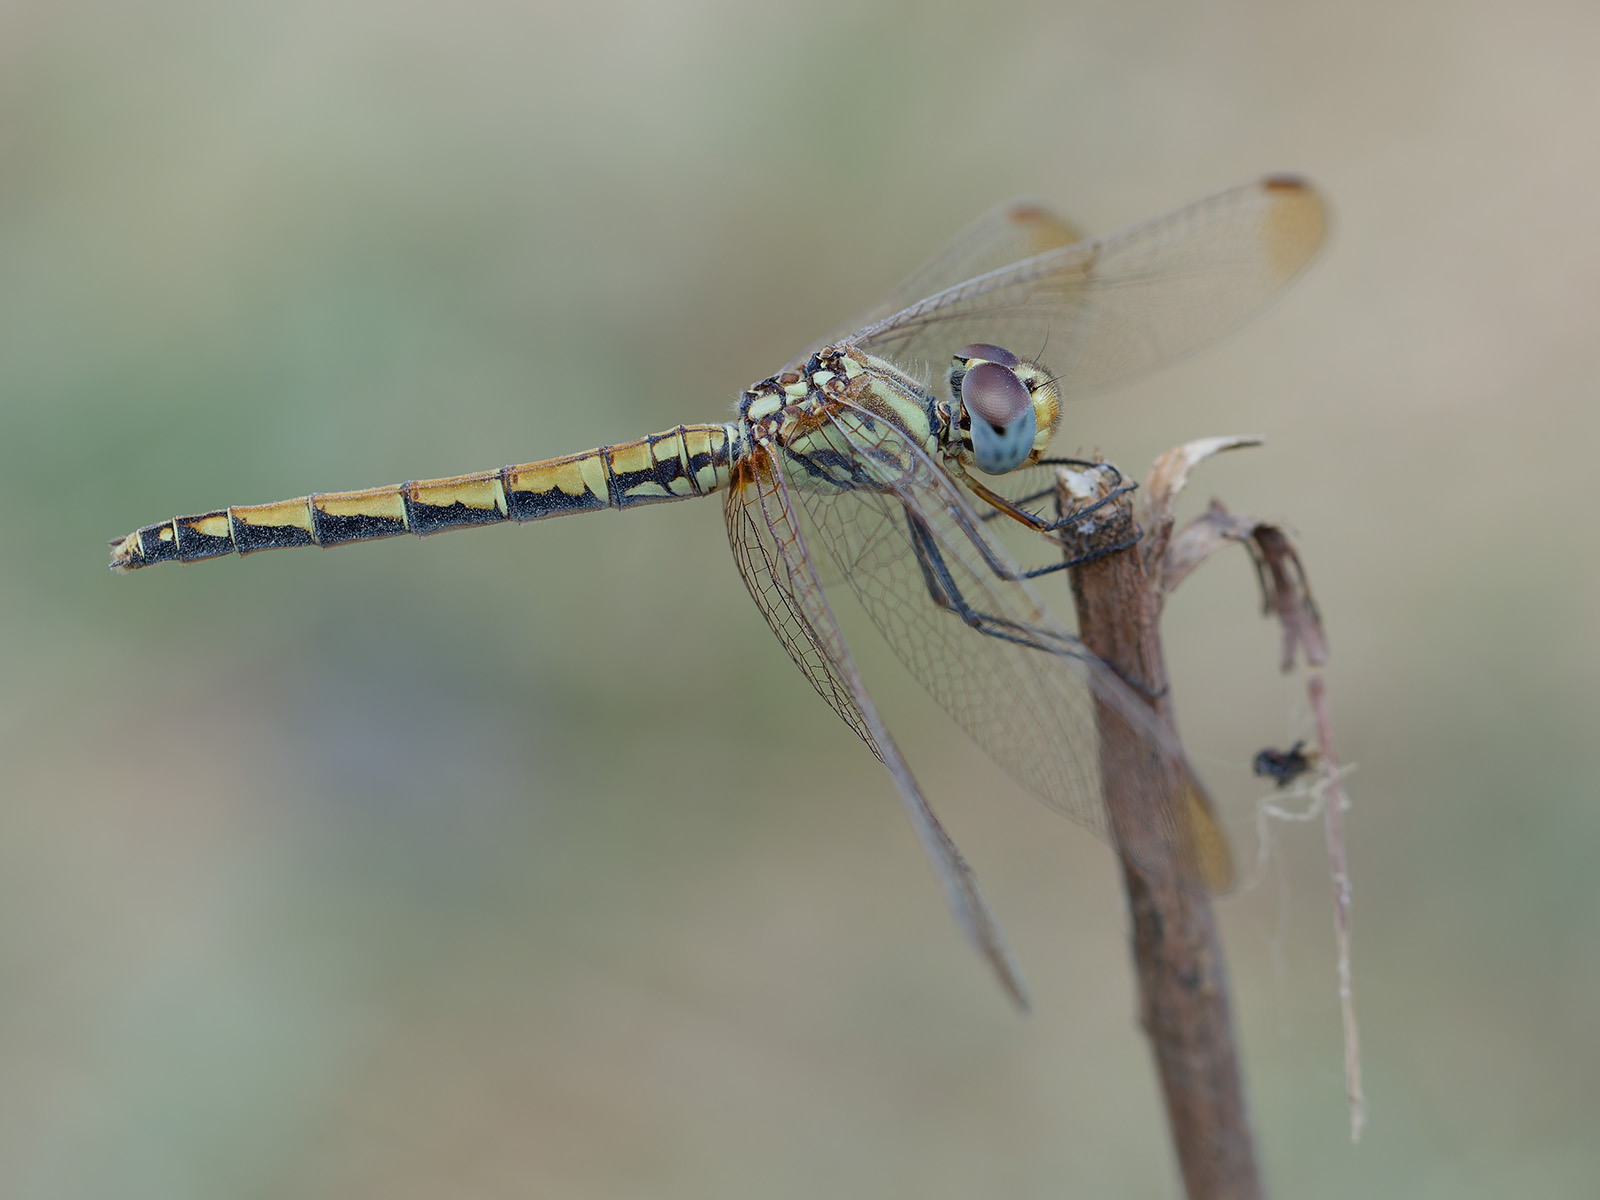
{"x":1006,"y":669}
{"x":1108,"y":309}
{"x":772,"y":555}
{"x":1006,"y":233}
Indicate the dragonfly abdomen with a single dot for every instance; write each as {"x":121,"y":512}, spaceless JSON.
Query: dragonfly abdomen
{"x":689,"y":460}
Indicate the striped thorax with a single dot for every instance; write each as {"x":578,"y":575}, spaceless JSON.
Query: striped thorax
{"x":973,"y":428}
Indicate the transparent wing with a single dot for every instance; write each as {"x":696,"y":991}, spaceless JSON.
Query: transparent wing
{"x":773,"y":559}
{"x":1115,"y":307}
{"x":1006,"y":233}
{"x":985,"y":646}
{"x":767,"y":566}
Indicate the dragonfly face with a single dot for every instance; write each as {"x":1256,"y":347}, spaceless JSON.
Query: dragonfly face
{"x":846,"y":469}
{"x":1008,"y":409}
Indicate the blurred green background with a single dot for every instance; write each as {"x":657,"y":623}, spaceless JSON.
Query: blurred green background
{"x":523,"y":863}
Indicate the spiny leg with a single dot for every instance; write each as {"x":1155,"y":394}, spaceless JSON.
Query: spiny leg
{"x":1062,"y":529}
{"x":1002,"y":571}
{"x":946,"y":594}
{"x":1014,"y":509}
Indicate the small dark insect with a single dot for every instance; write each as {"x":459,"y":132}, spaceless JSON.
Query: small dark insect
{"x":1285,"y":766}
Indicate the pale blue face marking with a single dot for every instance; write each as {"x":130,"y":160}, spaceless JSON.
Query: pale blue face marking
{"x":1000,"y":450}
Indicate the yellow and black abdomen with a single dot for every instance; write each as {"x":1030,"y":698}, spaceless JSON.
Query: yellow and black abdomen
{"x":690,"y":460}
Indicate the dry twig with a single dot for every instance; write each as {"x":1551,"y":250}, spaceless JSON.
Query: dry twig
{"x":1184,"y":1005}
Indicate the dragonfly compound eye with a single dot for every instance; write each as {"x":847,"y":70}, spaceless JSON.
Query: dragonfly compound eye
{"x":989,"y":352}
{"x":1001,"y":410}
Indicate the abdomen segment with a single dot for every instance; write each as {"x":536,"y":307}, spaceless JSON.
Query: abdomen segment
{"x":690,"y":460}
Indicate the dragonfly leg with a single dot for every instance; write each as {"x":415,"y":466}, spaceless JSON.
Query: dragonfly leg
{"x":946,"y":594}
{"x":1095,"y":550}
{"x":1087,"y":556}
{"x":1014,"y":508}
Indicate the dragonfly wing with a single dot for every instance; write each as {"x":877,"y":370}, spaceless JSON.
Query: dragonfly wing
{"x":1114,"y":307}
{"x":767,"y":567}
{"x":1008,"y":232}
{"x":770,"y":549}
{"x":984,"y":645}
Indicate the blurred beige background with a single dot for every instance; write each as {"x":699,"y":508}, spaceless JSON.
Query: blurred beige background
{"x":523,"y":863}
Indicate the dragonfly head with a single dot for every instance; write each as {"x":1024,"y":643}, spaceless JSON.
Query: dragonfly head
{"x":1008,"y":408}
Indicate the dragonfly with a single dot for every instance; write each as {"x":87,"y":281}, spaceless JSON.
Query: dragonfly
{"x":886,"y":460}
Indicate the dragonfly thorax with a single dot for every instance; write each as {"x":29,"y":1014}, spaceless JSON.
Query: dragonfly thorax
{"x":1005,"y":410}
{"x":826,"y":375}
{"x":1002,"y":414}
{"x":833,"y":382}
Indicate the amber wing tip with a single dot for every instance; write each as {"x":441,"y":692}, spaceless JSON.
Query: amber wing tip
{"x":1295,"y":222}
{"x":1208,"y":843}
{"x":1287,"y":183}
